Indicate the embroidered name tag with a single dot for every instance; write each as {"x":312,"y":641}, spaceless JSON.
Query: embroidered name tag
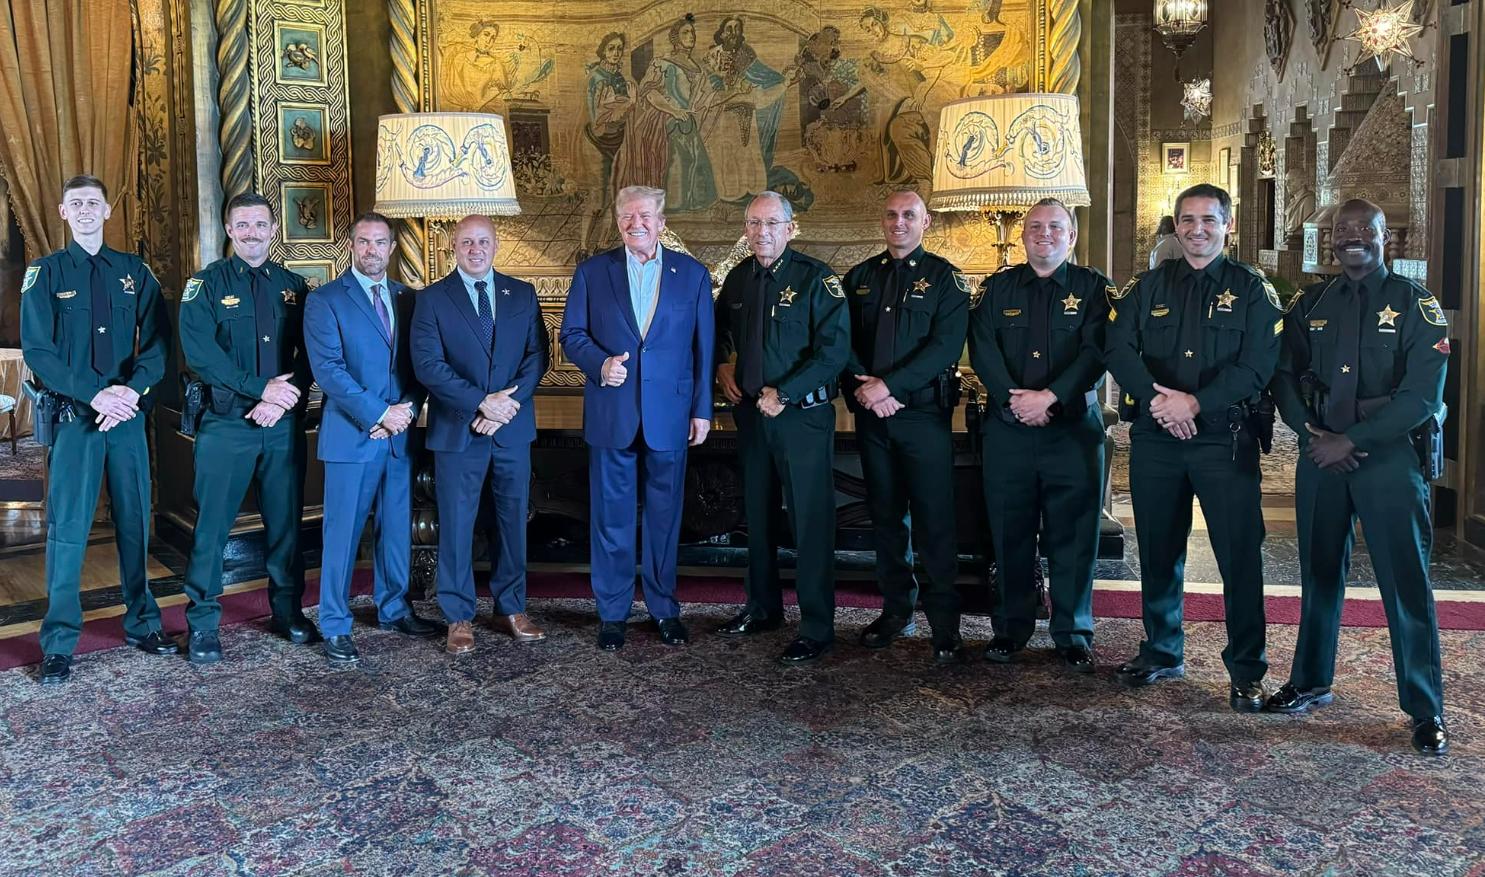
{"x":1013,"y":312}
{"x":68,"y":294}
{"x":1160,"y":312}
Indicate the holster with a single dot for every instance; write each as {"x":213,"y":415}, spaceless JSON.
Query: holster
{"x":1428,"y":441}
{"x":948,"y":388}
{"x":49,"y":409}
{"x":196,"y":395}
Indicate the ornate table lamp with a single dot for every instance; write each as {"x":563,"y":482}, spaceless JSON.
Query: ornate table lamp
{"x":1000,"y":154}
{"x":443,"y":166}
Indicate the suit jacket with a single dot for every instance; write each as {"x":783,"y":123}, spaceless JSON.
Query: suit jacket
{"x":670,"y":367}
{"x":452,"y":362}
{"x":359,"y":368}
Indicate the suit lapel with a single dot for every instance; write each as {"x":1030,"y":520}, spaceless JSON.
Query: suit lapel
{"x":358,"y":295}
{"x":459,"y":297}
{"x":510,"y":322}
{"x":618,"y":273}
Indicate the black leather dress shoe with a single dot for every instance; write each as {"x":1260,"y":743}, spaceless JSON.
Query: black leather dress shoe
{"x":411,"y":625}
{"x":1247,"y":697}
{"x":55,"y":669}
{"x":611,"y":635}
{"x":1289,"y":699}
{"x":1138,"y":674}
{"x":672,"y":632}
{"x":341,"y":650}
{"x":1002,"y":650}
{"x":1077,"y":659}
{"x":156,"y":643}
{"x":886,"y":628}
{"x":204,"y":647}
{"x":295,"y":629}
{"x":1430,"y":737}
{"x":804,"y":651}
{"x":948,"y":649}
{"x":748,"y":623}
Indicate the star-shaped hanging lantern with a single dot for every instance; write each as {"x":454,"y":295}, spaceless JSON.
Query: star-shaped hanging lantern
{"x":1198,"y":99}
{"x":1385,"y":32}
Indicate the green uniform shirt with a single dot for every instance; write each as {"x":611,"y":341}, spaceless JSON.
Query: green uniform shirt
{"x":1403,"y":354}
{"x":219,"y":333}
{"x":1000,"y":323}
{"x":57,"y":323}
{"x":1241,"y":320}
{"x":806,"y":334}
{"x":931,"y":311}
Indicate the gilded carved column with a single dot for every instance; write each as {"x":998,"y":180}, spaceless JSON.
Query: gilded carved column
{"x":233,"y":89}
{"x":1065,"y":32}
{"x":411,"y":233}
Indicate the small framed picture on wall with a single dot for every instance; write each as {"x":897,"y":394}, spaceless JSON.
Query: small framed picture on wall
{"x":1224,"y":168}
{"x":1175,"y":158}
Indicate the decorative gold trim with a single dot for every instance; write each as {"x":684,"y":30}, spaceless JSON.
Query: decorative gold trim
{"x":1064,"y":35}
{"x":407,"y":64}
{"x":235,"y":133}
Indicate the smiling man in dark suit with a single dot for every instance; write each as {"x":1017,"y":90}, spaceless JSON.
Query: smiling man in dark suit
{"x":479,"y":347}
{"x":355,"y":329}
{"x":639,"y":324}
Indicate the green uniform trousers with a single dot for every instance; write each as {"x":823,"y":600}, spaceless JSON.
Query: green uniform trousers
{"x":908,"y":462}
{"x":1047,"y":480}
{"x":1390,"y":497}
{"x":1164,"y":473}
{"x":80,"y":457}
{"x":789,"y":458}
{"x":231,"y":453}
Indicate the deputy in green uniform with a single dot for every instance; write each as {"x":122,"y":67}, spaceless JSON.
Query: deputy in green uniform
{"x":242,"y":331}
{"x":1193,"y":344}
{"x":909,"y":315}
{"x":1362,"y":368}
{"x":783,"y":336}
{"x":94,"y":329}
{"x":1036,"y":343}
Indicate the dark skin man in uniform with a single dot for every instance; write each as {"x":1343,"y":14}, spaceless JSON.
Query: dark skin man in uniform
{"x":783,"y":315}
{"x":1193,"y":344}
{"x":94,"y":329}
{"x":242,"y":331}
{"x":1036,"y":339}
{"x":1363,"y":366}
{"x":909,"y":315}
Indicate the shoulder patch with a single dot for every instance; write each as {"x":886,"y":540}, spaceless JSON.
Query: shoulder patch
{"x":832,"y":286}
{"x":1273,"y":297}
{"x":1294,"y":300}
{"x":964,"y":284}
{"x":1128,"y":288}
{"x":977,"y":294}
{"x":30,"y":281}
{"x":193,"y":288}
{"x":1431,"y":311}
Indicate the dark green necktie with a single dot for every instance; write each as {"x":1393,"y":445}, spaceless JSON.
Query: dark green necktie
{"x":750,"y":358}
{"x":264,"y":323}
{"x":1039,"y":341}
{"x":1188,"y":353}
{"x":883,"y":352}
{"x":1340,"y":412}
{"x":103,"y":360}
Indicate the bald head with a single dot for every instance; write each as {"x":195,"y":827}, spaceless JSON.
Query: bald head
{"x":1358,"y":237}
{"x":475,"y":244}
{"x":904,"y":219}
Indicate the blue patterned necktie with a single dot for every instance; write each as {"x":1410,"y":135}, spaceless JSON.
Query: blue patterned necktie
{"x":487,"y":319}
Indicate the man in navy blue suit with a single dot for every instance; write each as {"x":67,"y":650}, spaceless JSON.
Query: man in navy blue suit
{"x":479,"y":347}
{"x":355,"y":329}
{"x":639,"y":324}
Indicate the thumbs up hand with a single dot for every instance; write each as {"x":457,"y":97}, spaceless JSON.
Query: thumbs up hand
{"x":613,"y":371}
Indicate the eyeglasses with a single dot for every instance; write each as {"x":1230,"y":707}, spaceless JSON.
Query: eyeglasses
{"x":771,"y":225}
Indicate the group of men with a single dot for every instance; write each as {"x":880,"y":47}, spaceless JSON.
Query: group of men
{"x":1194,"y":345}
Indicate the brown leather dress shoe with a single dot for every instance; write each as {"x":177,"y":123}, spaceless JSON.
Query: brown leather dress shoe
{"x":461,"y":638}
{"x":520,"y":628}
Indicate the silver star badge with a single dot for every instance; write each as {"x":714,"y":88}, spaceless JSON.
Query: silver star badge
{"x":102,"y":330}
{"x":265,"y":339}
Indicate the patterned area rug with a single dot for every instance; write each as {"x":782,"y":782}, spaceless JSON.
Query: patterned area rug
{"x":20,"y":474}
{"x":556,"y":759}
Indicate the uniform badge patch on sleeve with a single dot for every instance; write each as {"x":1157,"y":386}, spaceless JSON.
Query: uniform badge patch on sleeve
{"x":1273,"y":296}
{"x":977,"y":295}
{"x":1431,"y":311}
{"x":193,"y":289}
{"x":1442,"y":346}
{"x":1128,"y":288}
{"x":1113,"y":314}
{"x":31,"y":274}
{"x":964,"y":284}
{"x":832,"y":286}
{"x":1279,"y":326}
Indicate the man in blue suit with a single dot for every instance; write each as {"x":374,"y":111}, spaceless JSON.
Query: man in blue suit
{"x":639,"y":324}
{"x":355,"y":329}
{"x":479,"y":347}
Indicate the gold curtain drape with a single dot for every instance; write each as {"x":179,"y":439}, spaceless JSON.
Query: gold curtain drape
{"x":66,"y":108}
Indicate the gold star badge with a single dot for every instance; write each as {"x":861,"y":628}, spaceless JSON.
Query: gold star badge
{"x":1189,"y":354}
{"x":921,"y":285}
{"x":1387,"y":316}
{"x":1036,"y":354}
{"x":288,"y":296}
{"x":1226,"y":299}
{"x":1071,"y":303}
{"x":128,"y":282}
{"x":787,"y":296}
{"x":1345,"y":369}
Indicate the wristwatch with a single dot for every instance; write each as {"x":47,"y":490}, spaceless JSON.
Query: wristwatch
{"x":784,"y":398}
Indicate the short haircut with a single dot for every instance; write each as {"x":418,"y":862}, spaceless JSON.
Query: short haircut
{"x":250,"y":199}
{"x":1072,"y":217}
{"x":906,"y":190}
{"x":371,"y":216}
{"x":1207,"y":190}
{"x":84,"y":181}
{"x":1167,"y":225}
{"x":637,"y":193}
{"x":775,"y":196}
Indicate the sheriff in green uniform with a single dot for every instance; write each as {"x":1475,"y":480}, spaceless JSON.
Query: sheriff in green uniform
{"x":242,"y":331}
{"x":1193,"y":344}
{"x":909,"y":315}
{"x":782,"y":316}
{"x":94,"y":329}
{"x":1363,"y":368}
{"x":1036,"y":343}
